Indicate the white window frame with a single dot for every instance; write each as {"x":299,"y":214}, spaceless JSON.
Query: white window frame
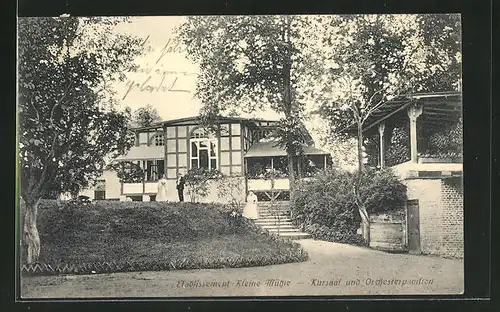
{"x":158,"y":138}
{"x":209,"y":141}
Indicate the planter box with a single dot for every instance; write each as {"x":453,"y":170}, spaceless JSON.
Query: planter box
{"x":388,"y":236}
{"x":388,"y":231}
{"x":440,"y":160}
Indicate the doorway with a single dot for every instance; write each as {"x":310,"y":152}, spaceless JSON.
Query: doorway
{"x":413,"y":226}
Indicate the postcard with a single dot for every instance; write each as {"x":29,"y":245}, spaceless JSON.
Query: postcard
{"x":240,"y":156}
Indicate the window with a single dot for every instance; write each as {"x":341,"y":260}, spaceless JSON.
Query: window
{"x":143,"y":138}
{"x":100,"y":190}
{"x":158,"y":140}
{"x":99,"y":195}
{"x":204,"y":150}
{"x":154,"y":168}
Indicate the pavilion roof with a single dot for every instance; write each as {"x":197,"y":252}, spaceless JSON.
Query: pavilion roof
{"x":437,"y":108}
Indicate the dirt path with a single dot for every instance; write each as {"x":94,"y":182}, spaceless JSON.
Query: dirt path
{"x":333,"y":269}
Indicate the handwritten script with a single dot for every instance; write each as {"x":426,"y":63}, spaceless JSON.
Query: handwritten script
{"x":159,"y":80}
{"x":167,"y":83}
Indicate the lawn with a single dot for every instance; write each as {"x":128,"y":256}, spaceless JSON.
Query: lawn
{"x":156,"y":236}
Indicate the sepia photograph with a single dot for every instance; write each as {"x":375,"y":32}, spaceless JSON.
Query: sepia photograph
{"x":240,"y":156}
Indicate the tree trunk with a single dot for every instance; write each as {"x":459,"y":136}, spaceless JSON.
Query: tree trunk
{"x":291,"y":171}
{"x":365,"y":220}
{"x":299,"y":166}
{"x":30,"y":237}
{"x":287,"y":98}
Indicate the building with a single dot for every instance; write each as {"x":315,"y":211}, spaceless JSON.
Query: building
{"x":240,"y":148}
{"x":434,"y":218}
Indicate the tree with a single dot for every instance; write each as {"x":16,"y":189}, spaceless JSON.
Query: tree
{"x":372,"y":59}
{"x":127,"y":171}
{"x":145,"y":116}
{"x":249,"y":63}
{"x":69,"y":125}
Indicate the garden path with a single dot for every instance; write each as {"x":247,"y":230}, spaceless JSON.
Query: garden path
{"x":333,"y":269}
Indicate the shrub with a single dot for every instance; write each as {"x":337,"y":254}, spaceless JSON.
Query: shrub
{"x":198,"y":182}
{"x":325,"y":206}
{"x":230,"y":190}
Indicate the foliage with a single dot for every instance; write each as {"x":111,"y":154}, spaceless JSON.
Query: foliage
{"x":326,"y":205}
{"x":446,"y":143}
{"x":135,"y":236}
{"x":198,"y":182}
{"x":260,"y":63}
{"x":230,"y":189}
{"x":127,"y":171}
{"x":442,"y":39}
{"x":341,"y":235}
{"x":398,"y":149}
{"x":68,"y":123}
{"x":145,"y":116}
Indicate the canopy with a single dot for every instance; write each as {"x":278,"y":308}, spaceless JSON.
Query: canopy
{"x":144,"y":153}
{"x":269,"y":149}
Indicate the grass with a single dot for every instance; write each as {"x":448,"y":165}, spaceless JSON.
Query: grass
{"x":124,"y":232}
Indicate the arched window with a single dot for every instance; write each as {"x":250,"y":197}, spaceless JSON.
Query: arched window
{"x":158,"y":140}
{"x":204,"y":149}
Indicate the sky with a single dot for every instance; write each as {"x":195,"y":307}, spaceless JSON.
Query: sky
{"x":166,"y":79}
{"x":163,"y":68}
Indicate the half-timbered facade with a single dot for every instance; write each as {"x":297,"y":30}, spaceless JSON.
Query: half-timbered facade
{"x":240,"y":148}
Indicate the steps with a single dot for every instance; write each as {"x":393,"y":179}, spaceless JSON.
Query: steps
{"x":276,"y":220}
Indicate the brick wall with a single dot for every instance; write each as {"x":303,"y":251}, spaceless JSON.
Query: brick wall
{"x":441,"y":215}
{"x":452,"y":218}
{"x":428,"y":193}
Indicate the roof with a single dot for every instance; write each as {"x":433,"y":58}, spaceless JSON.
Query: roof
{"x":437,"y":107}
{"x":267,"y":149}
{"x":197,"y":119}
{"x":143,"y":152}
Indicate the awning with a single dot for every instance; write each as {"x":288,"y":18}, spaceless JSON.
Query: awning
{"x":269,"y":149}
{"x":144,"y":153}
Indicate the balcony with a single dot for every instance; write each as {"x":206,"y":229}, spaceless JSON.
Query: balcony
{"x":139,"y":188}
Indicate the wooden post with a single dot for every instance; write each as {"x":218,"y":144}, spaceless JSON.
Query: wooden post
{"x":413,"y":112}
{"x":381,"y":128}
{"x":144,"y":170}
{"x":245,"y":175}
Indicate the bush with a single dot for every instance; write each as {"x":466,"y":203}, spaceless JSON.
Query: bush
{"x":325,"y":206}
{"x":198,"y":182}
